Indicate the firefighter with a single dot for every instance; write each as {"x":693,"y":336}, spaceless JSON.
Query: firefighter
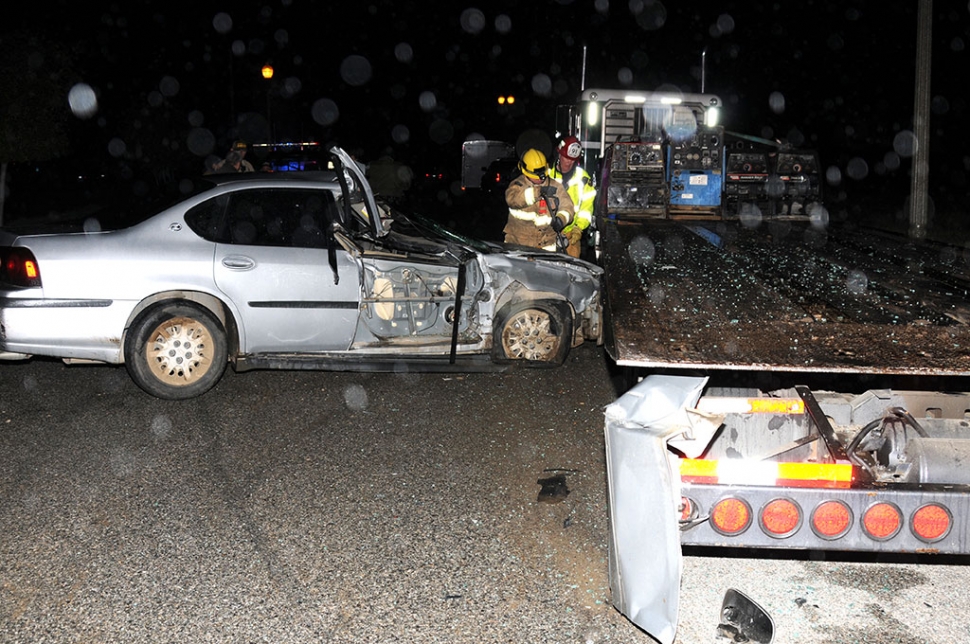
{"x":539,"y":206}
{"x":579,"y":185}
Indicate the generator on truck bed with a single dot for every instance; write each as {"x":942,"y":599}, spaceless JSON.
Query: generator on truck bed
{"x":791,"y":367}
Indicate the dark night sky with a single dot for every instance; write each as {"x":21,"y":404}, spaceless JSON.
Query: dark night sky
{"x":175,"y":78}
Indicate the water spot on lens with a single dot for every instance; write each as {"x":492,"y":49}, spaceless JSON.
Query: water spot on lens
{"x":355,"y":397}
{"x":325,"y":111}
{"x":82,"y":100}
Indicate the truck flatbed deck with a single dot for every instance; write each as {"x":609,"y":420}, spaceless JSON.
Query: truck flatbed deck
{"x":783,"y":296}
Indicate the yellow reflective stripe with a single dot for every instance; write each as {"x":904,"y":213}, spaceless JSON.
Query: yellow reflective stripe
{"x":525,"y":215}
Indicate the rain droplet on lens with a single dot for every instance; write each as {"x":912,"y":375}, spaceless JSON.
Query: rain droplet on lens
{"x":82,"y":100}
{"x":428,"y":101}
{"x":857,"y":168}
{"x":355,"y":397}
{"x":642,"y":250}
{"x":856,"y":281}
{"x":833,"y":175}
{"x":503,"y":24}
{"x":472,"y":20}
{"x":325,"y":111}
{"x":904,"y":143}
{"x":776,"y":101}
{"x":355,"y":70}
{"x":403,"y":52}
{"x":222,"y":22}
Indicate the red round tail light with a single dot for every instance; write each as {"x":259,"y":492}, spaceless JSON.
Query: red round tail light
{"x":882,"y":521}
{"x":831,"y":520}
{"x":730,"y":516}
{"x":781,"y":518}
{"x":688,"y":509}
{"x":931,"y":522}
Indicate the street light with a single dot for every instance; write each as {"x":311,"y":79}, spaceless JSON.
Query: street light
{"x":267,"y":72}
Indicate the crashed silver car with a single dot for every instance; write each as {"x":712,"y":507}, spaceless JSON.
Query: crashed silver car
{"x":288,"y":271}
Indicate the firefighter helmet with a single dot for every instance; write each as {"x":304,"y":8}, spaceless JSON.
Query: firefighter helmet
{"x":533,"y":164}
{"x":570,"y":148}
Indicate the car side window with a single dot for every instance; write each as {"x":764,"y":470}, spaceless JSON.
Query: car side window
{"x":207,"y":219}
{"x":279,"y":217}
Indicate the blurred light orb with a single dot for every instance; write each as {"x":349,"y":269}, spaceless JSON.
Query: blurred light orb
{"x":833,"y":175}
{"x":818,"y":216}
{"x":400,"y":133}
{"x":200,"y":141}
{"x":403,"y":52}
{"x":642,"y":250}
{"x":904,"y":143}
{"x":169,"y":86}
{"x":725,"y":23}
{"x":625,"y":76}
{"x":428,"y":101}
{"x":82,"y":100}
{"x":355,"y":397}
{"x":776,"y":101}
{"x":542,"y":85}
{"x":856,"y":282}
{"x":117,"y":147}
{"x":222,"y":22}
{"x":857,"y":168}
{"x":750,"y":215}
{"x":472,"y":20}
{"x":325,"y":111}
{"x":503,"y":24}
{"x":356,"y":70}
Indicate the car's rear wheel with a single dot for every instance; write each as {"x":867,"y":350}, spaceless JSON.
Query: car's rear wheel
{"x":533,"y":332}
{"x":176,"y":350}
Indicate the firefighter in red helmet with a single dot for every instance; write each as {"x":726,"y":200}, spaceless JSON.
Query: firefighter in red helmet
{"x":579,"y":185}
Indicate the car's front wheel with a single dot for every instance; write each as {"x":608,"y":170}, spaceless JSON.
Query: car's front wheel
{"x":533,"y":332}
{"x":176,"y":350}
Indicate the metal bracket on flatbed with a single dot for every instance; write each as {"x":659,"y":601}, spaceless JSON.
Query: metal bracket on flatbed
{"x":832,"y":442}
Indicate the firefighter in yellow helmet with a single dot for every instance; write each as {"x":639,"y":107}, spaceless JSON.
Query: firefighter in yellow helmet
{"x":539,"y":206}
{"x":579,"y":185}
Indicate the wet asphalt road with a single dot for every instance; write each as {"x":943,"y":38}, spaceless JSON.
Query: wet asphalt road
{"x":307,"y":507}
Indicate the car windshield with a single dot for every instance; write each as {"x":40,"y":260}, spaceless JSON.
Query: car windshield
{"x":412,"y":223}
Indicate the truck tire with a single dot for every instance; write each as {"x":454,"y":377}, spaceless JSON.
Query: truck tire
{"x":176,"y":350}
{"x":535,"y":332}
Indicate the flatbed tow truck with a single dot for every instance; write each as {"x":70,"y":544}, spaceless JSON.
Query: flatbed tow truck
{"x":790,"y":369}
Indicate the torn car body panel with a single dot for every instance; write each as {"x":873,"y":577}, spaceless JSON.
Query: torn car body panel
{"x":644,"y":492}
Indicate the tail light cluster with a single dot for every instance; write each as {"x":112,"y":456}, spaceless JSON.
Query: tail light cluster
{"x":18,"y":267}
{"x":782,"y":517}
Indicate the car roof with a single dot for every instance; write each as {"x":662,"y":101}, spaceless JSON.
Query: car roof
{"x":317,"y":176}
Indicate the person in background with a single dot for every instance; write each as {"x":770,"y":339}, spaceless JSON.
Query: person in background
{"x":579,"y":185}
{"x":539,"y":206}
{"x":240,"y":147}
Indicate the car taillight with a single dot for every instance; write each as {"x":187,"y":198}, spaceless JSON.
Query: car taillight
{"x":19,"y":268}
{"x":781,"y":518}
{"x":831,"y":520}
{"x":730,"y":516}
{"x":931,"y":522}
{"x":882,"y":521}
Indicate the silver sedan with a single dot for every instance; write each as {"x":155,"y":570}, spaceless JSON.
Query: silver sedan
{"x":288,"y":271}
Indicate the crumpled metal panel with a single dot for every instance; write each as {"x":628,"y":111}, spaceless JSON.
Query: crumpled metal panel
{"x":644,"y":492}
{"x":776,"y":295}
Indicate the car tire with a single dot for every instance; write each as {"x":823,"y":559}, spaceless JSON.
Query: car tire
{"x":538,"y":333}
{"x":176,"y":350}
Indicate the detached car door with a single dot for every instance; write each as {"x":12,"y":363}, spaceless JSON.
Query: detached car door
{"x":273,"y":261}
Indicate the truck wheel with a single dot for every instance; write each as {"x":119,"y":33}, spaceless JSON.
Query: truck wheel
{"x":176,"y":350}
{"x":535,"y":332}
